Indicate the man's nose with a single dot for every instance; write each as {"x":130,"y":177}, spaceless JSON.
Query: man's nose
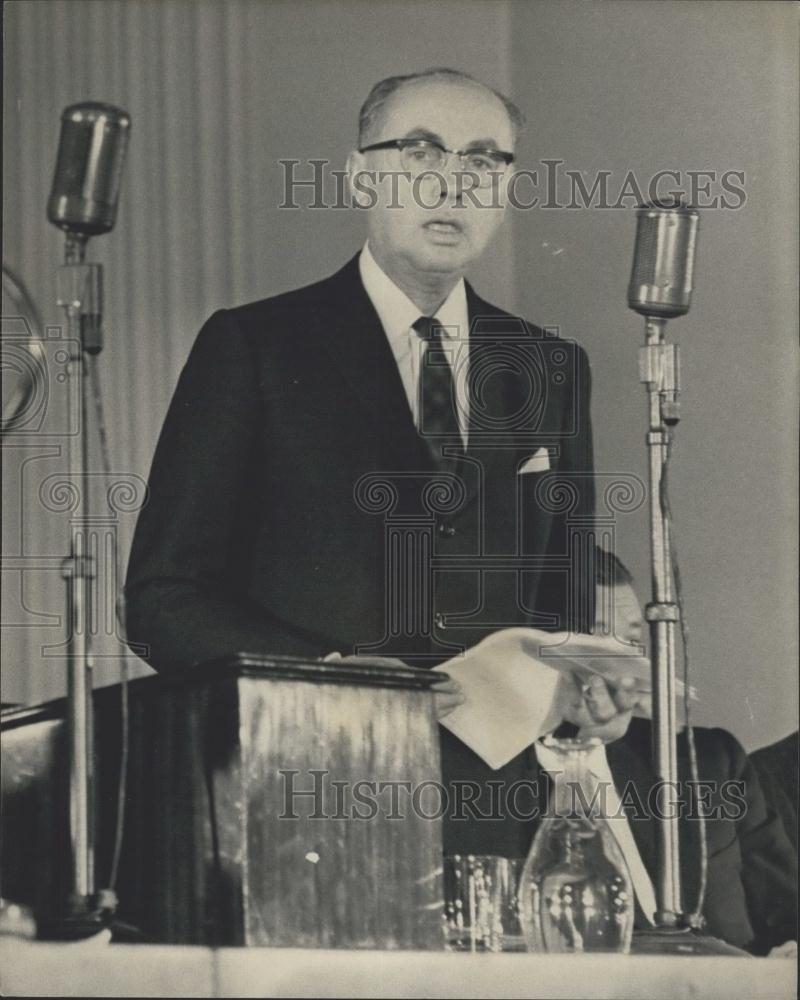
{"x":451,"y":179}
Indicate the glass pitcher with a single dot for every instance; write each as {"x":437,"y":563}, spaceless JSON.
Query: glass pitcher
{"x":575,"y":892}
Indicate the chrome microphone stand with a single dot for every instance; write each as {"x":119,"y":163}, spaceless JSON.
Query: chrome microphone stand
{"x":660,"y":289}
{"x":659,"y":371}
{"x":80,"y":296}
{"x":83,"y":203}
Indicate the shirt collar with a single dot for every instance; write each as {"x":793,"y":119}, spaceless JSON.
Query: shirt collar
{"x":396,"y":310}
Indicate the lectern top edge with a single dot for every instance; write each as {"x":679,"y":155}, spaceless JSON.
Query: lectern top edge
{"x":369,"y":671}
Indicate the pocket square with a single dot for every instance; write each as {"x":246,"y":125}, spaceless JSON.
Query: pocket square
{"x":538,"y":462}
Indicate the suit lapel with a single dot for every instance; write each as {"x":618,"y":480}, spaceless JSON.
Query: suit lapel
{"x":631,"y":767}
{"x":492,"y":396}
{"x":501,"y":391}
{"x":631,"y":762}
{"x":492,"y":377}
{"x":352,"y":336}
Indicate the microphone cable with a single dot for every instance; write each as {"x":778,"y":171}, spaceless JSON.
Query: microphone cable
{"x":695,"y":918}
{"x":122,"y":783}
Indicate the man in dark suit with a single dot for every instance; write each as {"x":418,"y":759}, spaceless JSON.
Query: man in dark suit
{"x":381,"y":463}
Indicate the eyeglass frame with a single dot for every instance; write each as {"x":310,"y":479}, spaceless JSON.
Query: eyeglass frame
{"x":400,"y":144}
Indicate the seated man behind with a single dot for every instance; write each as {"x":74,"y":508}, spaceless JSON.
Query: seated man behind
{"x":751,"y":898}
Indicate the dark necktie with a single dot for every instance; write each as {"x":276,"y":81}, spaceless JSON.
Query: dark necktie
{"x":437,"y":410}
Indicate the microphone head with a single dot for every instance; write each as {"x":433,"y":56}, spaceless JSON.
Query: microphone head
{"x":91,"y":151}
{"x":663,"y":259}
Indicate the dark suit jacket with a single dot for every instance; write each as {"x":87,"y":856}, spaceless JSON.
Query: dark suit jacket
{"x":777,"y":769}
{"x":288,"y":504}
{"x":751,"y":899}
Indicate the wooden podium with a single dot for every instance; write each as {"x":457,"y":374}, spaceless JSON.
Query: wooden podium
{"x":271,"y":801}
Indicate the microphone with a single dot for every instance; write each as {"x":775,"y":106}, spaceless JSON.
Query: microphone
{"x":91,"y":151}
{"x":663,"y":259}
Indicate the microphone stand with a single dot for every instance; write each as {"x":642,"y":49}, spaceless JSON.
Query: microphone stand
{"x":659,"y":370}
{"x":79,"y":287}
{"x":83,"y":202}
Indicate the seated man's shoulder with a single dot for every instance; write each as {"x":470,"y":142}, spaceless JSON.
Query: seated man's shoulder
{"x":718,"y":750}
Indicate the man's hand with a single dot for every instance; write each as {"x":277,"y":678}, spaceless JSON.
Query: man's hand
{"x":597,"y":708}
{"x":447,"y":695}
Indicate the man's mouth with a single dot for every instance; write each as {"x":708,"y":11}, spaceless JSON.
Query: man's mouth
{"x":440,"y":226}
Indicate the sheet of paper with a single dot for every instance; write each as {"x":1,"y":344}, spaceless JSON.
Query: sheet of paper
{"x":510,"y":681}
{"x":510,"y":699}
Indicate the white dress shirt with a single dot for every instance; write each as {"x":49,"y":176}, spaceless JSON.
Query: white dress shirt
{"x":397,"y":313}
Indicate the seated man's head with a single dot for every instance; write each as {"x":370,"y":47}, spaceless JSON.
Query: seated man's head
{"x":617,"y":611}
{"x":431,"y":213}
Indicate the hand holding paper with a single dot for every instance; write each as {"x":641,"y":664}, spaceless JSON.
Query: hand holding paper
{"x":518,"y":683}
{"x":597,"y":708}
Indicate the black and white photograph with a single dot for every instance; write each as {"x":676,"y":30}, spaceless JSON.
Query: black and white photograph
{"x":400,"y":499}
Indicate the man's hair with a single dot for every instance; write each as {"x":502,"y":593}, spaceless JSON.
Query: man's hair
{"x":371,"y":115}
{"x":610,"y":570}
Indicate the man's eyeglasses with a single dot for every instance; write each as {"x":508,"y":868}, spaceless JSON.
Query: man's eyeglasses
{"x":418,"y":156}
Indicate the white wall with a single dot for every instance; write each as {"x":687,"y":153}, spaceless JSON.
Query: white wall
{"x":691,"y":86}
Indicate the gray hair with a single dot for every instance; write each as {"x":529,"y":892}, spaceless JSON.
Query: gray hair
{"x":371,"y":114}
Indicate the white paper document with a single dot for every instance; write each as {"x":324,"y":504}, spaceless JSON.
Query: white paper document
{"x":510,"y":680}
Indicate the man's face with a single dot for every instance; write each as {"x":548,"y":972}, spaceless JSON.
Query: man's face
{"x":438,"y":228}
{"x":619,"y":613}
